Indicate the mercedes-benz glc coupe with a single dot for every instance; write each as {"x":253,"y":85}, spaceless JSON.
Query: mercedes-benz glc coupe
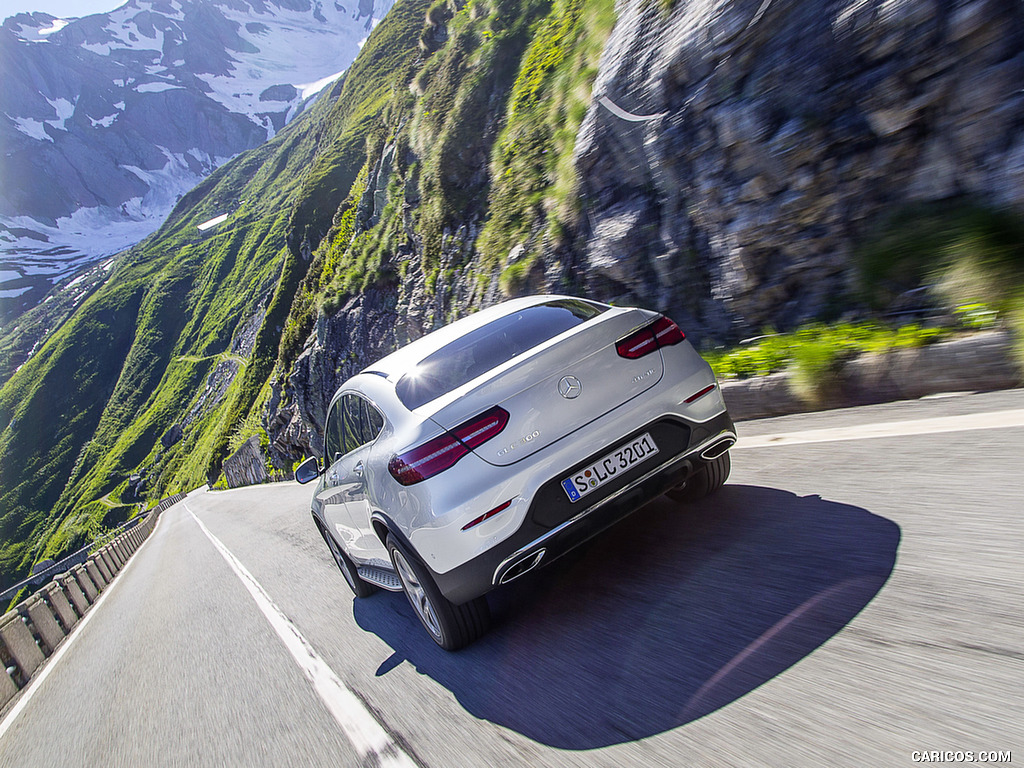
{"x":495,"y":444}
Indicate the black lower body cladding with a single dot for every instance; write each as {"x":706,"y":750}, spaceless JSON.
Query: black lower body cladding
{"x":556,"y":525}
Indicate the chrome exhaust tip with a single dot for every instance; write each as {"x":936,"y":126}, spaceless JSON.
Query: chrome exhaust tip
{"x":717,"y":448}
{"x":521,"y":566}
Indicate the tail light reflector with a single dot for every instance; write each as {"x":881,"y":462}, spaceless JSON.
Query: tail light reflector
{"x":699,"y":395}
{"x":661,"y":333}
{"x":488,"y":515}
{"x":441,"y":453}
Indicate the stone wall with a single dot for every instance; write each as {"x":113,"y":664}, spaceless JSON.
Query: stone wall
{"x":246,"y":466}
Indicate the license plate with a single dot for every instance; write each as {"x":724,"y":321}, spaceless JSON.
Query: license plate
{"x":608,"y":467}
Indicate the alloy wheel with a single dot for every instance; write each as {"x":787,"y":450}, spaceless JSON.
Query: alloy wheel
{"x":416,"y":594}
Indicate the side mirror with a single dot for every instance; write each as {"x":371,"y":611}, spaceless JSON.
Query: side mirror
{"x":307,"y":471}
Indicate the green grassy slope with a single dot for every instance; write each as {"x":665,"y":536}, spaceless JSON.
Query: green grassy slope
{"x":89,"y":409}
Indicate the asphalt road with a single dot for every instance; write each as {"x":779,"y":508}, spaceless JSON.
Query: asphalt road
{"x":841,"y":603}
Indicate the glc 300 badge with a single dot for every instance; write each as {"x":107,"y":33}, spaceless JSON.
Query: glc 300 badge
{"x":521,"y":441}
{"x":569,"y":387}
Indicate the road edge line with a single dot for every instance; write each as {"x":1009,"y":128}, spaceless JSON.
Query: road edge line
{"x":26,"y":693}
{"x":366,"y":734}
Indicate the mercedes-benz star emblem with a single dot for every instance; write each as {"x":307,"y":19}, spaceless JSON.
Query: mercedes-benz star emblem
{"x":569,"y":387}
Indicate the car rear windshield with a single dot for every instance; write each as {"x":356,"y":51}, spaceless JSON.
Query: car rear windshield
{"x":489,"y":346}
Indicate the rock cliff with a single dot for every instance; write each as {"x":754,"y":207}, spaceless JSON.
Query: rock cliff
{"x":780,"y":131}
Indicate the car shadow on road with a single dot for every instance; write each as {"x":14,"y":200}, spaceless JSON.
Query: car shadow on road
{"x":677,"y":611}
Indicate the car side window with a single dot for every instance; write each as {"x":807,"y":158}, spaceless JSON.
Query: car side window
{"x":333,"y":435}
{"x":352,"y":426}
{"x":373,"y":423}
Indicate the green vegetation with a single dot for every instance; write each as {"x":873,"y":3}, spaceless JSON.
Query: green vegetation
{"x":814,"y":351}
{"x":534,"y":180}
{"x":815,"y":354}
{"x":427,"y":167}
{"x":963,"y":253}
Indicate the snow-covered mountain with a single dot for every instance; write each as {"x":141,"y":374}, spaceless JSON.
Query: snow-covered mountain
{"x":106,"y":120}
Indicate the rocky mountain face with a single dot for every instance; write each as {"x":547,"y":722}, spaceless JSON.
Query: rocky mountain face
{"x":732,"y":157}
{"x":105,"y":121}
{"x":780,"y":132}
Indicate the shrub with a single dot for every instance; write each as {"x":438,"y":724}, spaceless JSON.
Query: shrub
{"x":813,"y":352}
{"x":963,"y":252}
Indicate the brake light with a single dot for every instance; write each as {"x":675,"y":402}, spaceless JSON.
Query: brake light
{"x":666,"y":333}
{"x":661,"y":333}
{"x":479,"y":430}
{"x":427,"y":460}
{"x":441,"y":453}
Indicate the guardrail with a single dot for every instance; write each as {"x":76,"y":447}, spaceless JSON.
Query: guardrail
{"x":33,"y":630}
{"x":66,"y":563}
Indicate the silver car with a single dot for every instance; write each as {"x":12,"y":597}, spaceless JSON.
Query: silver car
{"x":498,"y":443}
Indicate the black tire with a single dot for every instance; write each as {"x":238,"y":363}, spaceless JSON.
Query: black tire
{"x":706,"y":481}
{"x":450,"y":626}
{"x":346,"y":566}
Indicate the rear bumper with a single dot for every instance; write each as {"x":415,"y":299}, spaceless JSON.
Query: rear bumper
{"x":554,"y":526}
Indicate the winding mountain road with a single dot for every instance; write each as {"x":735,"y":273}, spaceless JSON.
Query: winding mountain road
{"x":848,"y":599}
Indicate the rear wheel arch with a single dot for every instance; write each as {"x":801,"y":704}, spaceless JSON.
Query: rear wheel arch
{"x":384,"y":526}
{"x":380,"y":527}
{"x":348,"y":568}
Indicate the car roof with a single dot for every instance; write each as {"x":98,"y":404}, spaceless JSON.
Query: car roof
{"x":402,"y":360}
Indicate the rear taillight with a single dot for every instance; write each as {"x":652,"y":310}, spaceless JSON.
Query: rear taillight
{"x":441,"y":453}
{"x":661,"y":333}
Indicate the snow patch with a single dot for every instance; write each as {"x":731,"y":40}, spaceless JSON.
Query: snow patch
{"x":13,"y":292}
{"x":56,"y":26}
{"x":33,"y":128}
{"x":157,"y":87}
{"x":212,"y":222}
{"x":32,"y":34}
{"x":64,"y":109}
{"x":91,"y":235}
{"x":76,"y":281}
{"x":309,"y":89}
{"x":104,"y":122}
{"x":100,"y":49}
{"x":327,"y":46}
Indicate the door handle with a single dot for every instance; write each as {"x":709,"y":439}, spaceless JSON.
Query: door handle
{"x":358,"y":469}
{"x":333,"y":478}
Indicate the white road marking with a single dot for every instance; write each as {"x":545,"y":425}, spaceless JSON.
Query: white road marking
{"x":994,"y":420}
{"x":361,"y":728}
{"x":28,"y":692}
